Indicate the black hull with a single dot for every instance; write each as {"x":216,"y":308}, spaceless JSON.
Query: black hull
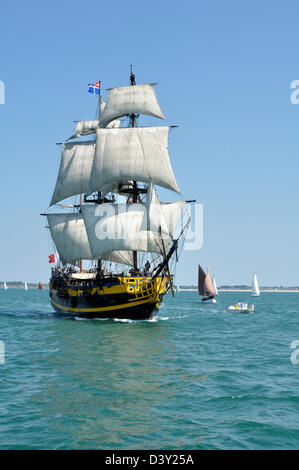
{"x":109,"y":298}
{"x":206,"y":299}
{"x":144,"y":311}
{"x":137,"y":312}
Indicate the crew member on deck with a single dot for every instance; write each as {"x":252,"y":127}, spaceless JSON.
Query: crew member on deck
{"x":147,"y":267}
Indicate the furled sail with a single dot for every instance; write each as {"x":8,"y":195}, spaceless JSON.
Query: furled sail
{"x":115,"y":188}
{"x":75,"y":168}
{"x":70,"y":238}
{"x":86,"y":127}
{"x":137,"y":99}
{"x":113,"y":124}
{"x":205,"y":286}
{"x":139,"y":154}
{"x":90,"y":127}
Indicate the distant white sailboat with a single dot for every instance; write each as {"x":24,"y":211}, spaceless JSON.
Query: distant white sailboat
{"x":4,"y":285}
{"x":25,"y":286}
{"x":255,"y":291}
{"x":215,"y":285}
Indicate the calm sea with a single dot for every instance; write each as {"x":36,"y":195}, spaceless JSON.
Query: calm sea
{"x":195,"y":378}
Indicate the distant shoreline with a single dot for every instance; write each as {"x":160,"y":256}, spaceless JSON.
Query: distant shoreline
{"x":45,"y":286}
{"x":261,"y":290}
{"x":245,"y":290}
{"x":182,"y":289}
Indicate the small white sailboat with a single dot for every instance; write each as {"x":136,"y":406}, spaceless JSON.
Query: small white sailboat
{"x":205,"y":287}
{"x":255,"y":291}
{"x":25,"y":286}
{"x":215,"y":285}
{"x":4,"y":285}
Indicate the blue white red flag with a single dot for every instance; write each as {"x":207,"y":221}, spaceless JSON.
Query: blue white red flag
{"x":94,"y":88}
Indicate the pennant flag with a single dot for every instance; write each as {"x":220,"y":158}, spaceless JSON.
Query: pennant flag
{"x":94,"y":88}
{"x":52,"y":258}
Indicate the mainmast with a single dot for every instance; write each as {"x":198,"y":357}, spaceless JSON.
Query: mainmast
{"x":135,"y":191}
{"x":135,"y":188}
{"x":132,"y":116}
{"x":99,"y":267}
{"x":80,"y":261}
{"x":99,"y":116}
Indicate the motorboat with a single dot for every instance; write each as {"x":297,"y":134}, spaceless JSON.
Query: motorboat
{"x":241,"y":307}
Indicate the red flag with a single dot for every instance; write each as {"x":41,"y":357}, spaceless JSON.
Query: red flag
{"x":52,"y":258}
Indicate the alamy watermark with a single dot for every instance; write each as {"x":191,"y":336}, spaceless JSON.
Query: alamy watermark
{"x":136,"y":224}
{"x":2,"y":92}
{"x":295,"y":353}
{"x":294,"y":97}
{"x":2,"y":352}
{"x":194,"y":234}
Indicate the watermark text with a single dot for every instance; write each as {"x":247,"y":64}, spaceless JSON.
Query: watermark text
{"x":144,"y":228}
{"x":2,"y":352}
{"x":295,"y":94}
{"x":295,"y":354}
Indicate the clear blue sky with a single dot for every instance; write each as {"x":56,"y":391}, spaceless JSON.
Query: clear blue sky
{"x":224,"y":71}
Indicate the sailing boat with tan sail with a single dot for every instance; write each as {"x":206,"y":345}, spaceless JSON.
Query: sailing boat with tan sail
{"x":119,"y":222}
{"x":205,"y":286}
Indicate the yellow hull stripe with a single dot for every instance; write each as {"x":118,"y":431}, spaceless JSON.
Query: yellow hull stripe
{"x":100,"y":309}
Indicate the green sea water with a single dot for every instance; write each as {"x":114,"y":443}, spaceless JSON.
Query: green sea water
{"x":196,"y":377}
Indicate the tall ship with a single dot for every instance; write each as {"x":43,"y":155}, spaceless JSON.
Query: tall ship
{"x":116,"y":244}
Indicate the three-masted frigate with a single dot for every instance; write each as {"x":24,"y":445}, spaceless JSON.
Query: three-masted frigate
{"x":114,"y":161}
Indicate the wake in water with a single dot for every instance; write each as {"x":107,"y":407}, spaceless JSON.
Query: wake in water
{"x":121,"y":320}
